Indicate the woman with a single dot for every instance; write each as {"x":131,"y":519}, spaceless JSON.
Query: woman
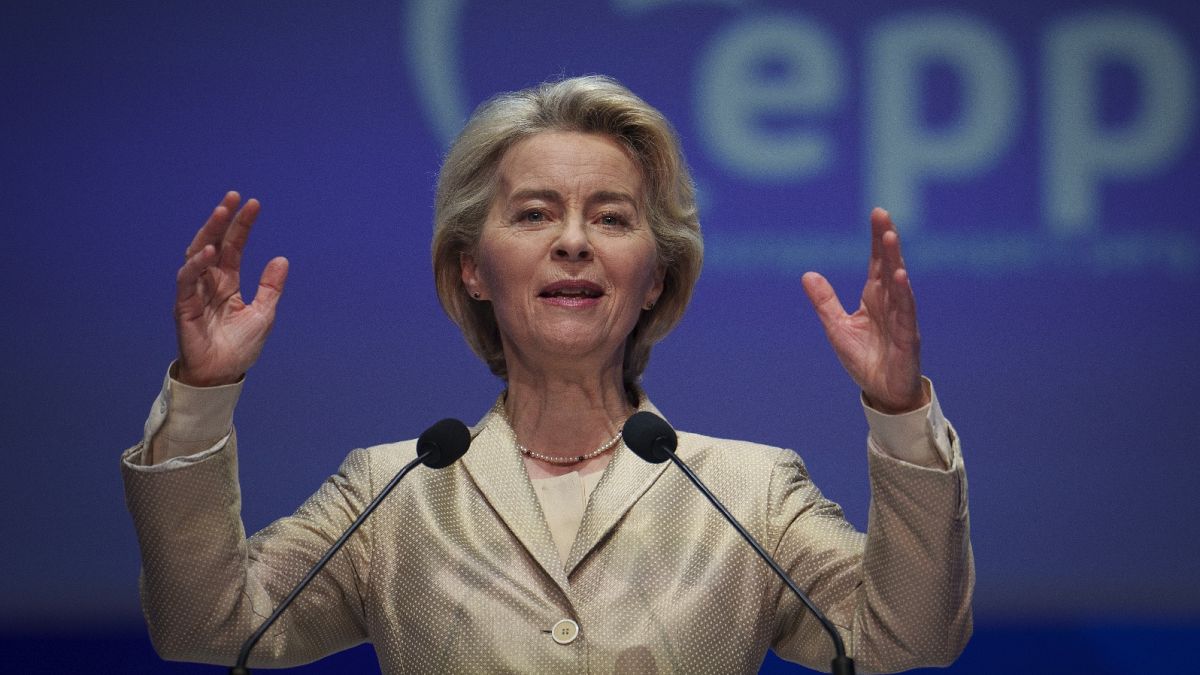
{"x":566,"y":244}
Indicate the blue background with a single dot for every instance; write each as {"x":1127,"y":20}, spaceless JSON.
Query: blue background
{"x":1068,"y":362}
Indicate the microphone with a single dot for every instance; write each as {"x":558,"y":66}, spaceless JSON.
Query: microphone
{"x":651,"y":438}
{"x":438,"y":447}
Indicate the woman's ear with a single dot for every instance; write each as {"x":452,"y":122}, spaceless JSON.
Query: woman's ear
{"x":470,"y":276}
{"x":660,"y":276}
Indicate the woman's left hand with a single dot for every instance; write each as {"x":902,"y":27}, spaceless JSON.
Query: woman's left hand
{"x":879,"y":344}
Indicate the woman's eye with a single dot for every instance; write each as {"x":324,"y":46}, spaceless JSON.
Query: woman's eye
{"x":534,"y":217}
{"x":612,"y":220}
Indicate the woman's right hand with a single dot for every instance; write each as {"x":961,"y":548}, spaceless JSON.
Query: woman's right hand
{"x":220,"y":336}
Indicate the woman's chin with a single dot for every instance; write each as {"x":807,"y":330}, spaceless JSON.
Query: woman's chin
{"x":574,"y":342}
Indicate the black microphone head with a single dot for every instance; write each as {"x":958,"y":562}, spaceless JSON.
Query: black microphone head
{"x":647,"y":434}
{"x":445,"y":442}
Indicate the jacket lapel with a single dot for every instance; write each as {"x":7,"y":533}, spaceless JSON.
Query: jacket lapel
{"x":625,"y":480}
{"x":495,"y":466}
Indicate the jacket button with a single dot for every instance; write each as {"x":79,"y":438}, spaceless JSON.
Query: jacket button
{"x":565,"y":632}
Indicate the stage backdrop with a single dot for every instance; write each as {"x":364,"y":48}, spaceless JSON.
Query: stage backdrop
{"x":1041,"y":160}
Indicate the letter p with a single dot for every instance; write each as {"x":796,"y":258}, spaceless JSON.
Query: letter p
{"x":1080,"y":151}
{"x":902,"y":151}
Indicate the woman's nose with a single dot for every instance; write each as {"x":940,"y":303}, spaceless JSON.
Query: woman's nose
{"x":573,"y":243}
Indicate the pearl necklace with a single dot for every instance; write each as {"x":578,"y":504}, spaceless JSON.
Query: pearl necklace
{"x":551,"y":459}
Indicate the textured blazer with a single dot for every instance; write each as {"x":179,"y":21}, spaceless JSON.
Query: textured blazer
{"x":457,"y":570}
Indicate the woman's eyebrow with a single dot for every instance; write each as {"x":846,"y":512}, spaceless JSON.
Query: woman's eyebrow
{"x":544,"y":195}
{"x":555,"y":197}
{"x":605,"y":196}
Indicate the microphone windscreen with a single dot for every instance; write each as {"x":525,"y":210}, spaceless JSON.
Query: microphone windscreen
{"x":646,"y":434}
{"x":446,"y":441}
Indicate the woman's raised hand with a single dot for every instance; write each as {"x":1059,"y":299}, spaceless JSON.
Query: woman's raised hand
{"x":878,"y":344}
{"x":220,"y":336}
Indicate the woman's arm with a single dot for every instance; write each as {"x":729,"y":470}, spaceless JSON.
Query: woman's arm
{"x":902,"y":594}
{"x":205,"y":587}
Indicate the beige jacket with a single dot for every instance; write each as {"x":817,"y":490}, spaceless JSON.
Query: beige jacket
{"x":457,"y":570}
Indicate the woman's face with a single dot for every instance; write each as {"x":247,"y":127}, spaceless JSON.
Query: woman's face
{"x":566,"y":256}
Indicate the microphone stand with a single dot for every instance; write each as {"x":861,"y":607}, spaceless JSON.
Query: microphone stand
{"x":842,"y":664}
{"x":240,"y":668}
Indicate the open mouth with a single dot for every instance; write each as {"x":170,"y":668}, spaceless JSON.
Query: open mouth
{"x":571,"y":289}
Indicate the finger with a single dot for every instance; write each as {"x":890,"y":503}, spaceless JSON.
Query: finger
{"x":270,"y":285}
{"x":214,"y":228}
{"x":237,"y":234}
{"x":889,"y":244}
{"x":890,"y":258}
{"x":823,"y":298}
{"x":880,"y":223}
{"x":187,"y":280}
{"x":904,"y":303}
{"x":875,"y":262}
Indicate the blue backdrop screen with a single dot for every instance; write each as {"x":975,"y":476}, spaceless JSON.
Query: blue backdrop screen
{"x":1040,"y":159}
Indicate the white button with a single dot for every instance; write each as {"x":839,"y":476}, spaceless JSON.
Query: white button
{"x":565,"y":632}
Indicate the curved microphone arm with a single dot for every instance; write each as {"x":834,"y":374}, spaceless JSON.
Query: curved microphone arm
{"x":438,"y":447}
{"x":842,"y":664}
{"x":244,"y":655}
{"x":651,"y":438}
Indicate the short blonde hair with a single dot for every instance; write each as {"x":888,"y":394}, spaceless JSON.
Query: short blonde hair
{"x":594,"y":104}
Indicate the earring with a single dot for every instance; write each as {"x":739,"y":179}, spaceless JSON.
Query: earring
{"x":477,"y":295}
{"x":649,"y":306}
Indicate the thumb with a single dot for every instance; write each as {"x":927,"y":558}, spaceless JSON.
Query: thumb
{"x":823,"y":298}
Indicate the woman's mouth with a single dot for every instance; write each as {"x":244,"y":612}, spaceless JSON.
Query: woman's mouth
{"x":572,"y":293}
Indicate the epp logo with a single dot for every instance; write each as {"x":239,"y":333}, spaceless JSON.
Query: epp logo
{"x":1080,"y":151}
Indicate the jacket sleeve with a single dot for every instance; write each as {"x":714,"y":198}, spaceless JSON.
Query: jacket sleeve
{"x":206,"y":587}
{"x":901,"y":594}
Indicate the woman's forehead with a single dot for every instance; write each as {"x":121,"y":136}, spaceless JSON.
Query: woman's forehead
{"x":571,"y":163}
